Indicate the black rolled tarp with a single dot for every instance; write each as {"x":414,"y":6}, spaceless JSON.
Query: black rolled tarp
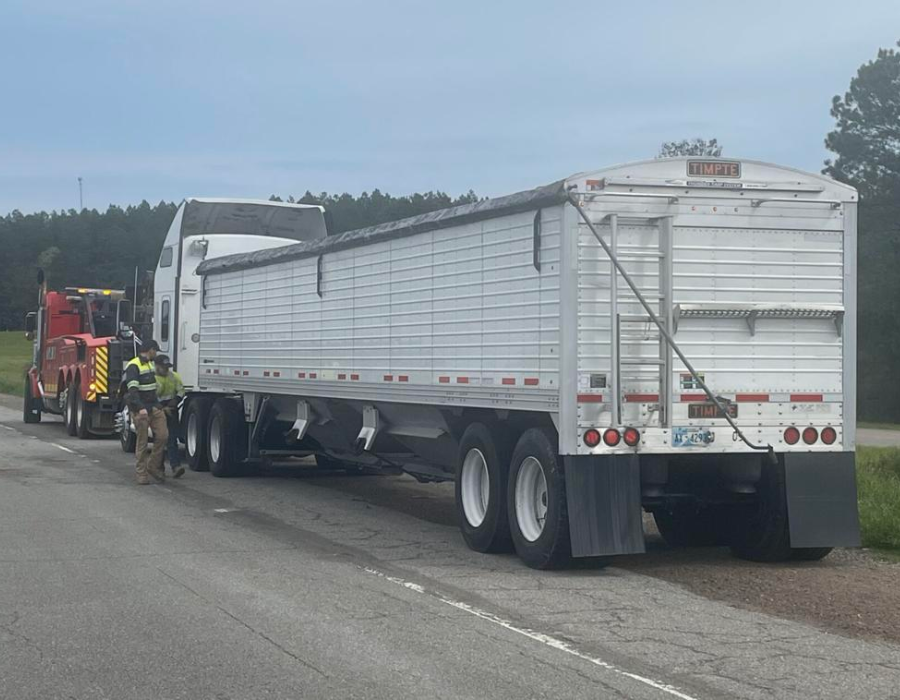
{"x":529,"y":200}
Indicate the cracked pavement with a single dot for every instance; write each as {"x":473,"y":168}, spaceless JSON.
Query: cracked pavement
{"x":110,"y":590}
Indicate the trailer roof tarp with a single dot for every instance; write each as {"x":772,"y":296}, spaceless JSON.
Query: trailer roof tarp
{"x":528,"y":200}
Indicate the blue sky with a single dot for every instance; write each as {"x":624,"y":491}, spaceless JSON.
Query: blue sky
{"x":163,"y":100}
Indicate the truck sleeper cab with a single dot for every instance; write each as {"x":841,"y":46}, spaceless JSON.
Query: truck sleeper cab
{"x":496,"y":344}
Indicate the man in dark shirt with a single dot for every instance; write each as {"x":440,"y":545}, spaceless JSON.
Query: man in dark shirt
{"x":146,"y":412}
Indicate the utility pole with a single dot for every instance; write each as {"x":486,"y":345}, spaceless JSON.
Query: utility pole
{"x":80,"y":196}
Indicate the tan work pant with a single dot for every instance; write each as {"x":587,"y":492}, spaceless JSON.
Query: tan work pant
{"x":156,"y":419}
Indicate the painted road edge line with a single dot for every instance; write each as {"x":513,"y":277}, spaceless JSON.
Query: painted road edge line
{"x":540,"y":637}
{"x":64,"y":449}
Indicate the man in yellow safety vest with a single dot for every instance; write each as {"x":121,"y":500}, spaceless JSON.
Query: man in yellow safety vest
{"x":146,"y":412}
{"x":170,"y":391}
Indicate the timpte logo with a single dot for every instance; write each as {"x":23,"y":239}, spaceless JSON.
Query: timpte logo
{"x":713,"y":168}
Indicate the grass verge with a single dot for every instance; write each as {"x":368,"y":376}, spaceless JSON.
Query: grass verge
{"x":15,"y":358}
{"x":878,"y":480}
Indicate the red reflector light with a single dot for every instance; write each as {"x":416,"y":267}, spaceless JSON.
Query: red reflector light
{"x":792,"y":436}
{"x":612,"y":437}
{"x":592,"y":438}
{"x":632,"y":436}
{"x":810,"y":435}
{"x":829,"y":435}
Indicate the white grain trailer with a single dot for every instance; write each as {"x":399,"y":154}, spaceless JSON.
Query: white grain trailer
{"x":675,"y":335}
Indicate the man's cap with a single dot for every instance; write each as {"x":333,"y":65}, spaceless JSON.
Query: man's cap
{"x":149,"y":345}
{"x":162,"y":360}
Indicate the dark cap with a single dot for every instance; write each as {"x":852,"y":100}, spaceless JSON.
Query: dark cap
{"x":162,"y":360}
{"x":149,"y":345}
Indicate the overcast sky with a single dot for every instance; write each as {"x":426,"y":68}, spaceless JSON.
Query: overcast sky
{"x":168,"y":99}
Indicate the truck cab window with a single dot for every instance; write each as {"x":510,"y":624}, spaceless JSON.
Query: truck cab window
{"x":165,"y":259}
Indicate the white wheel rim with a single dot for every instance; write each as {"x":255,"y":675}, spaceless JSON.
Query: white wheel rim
{"x":531,"y":498}
{"x":68,"y":407}
{"x":79,"y":410}
{"x":475,"y":487}
{"x":215,"y":439}
{"x":191,"y":441}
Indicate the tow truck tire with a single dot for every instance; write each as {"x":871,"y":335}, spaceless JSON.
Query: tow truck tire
{"x":69,"y":411}
{"x":31,"y":412}
{"x":763,"y":535}
{"x":538,"y":517}
{"x":227,"y":443}
{"x":481,"y":474}
{"x":196,"y":420}
{"x":83,"y":411}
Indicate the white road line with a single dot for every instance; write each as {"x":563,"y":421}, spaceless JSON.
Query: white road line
{"x":224,"y":510}
{"x":6,"y":427}
{"x":64,"y":449}
{"x":544,"y":639}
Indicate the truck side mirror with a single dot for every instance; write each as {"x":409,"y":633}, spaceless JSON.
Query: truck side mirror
{"x":30,"y":324}
{"x":40,"y":276}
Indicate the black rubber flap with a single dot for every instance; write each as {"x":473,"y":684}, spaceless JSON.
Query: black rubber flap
{"x":604,"y":501}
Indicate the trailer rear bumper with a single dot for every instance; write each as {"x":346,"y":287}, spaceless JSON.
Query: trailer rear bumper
{"x":821,"y":499}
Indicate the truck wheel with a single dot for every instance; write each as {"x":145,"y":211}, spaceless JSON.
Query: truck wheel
{"x":31,"y":412}
{"x":536,"y":495}
{"x":83,"y":412}
{"x":227,"y":444}
{"x":762,"y":534}
{"x":127,"y":437}
{"x":481,"y":474}
{"x":69,"y":411}
{"x":685,"y":527}
{"x":196,"y":419}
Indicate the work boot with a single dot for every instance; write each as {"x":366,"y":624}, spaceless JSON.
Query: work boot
{"x":156,"y":474}
{"x":178,"y":471}
{"x":143,"y":479}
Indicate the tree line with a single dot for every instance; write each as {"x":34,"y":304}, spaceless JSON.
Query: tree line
{"x":95,"y":248}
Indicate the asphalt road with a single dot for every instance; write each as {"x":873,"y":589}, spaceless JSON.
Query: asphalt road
{"x":293,"y":585}
{"x":872,"y":437}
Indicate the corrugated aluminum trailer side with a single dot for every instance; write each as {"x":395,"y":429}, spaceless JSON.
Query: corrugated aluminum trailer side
{"x":493,"y":345}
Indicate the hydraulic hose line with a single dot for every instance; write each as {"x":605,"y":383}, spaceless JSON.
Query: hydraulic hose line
{"x":720,"y":405}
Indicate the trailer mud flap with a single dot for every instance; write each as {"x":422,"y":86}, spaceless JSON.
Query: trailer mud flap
{"x":821,"y":499}
{"x":604,"y":504}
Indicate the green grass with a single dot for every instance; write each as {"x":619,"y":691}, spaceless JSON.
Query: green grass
{"x":878,"y":426}
{"x":878,"y":480}
{"x":15,"y":358}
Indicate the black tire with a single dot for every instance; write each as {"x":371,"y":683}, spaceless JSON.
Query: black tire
{"x":692,"y":527}
{"x":69,"y":411}
{"x":763,"y":534}
{"x":484,"y":522}
{"x":227,"y":439}
{"x":127,"y":438}
{"x":195,"y":421}
{"x":31,"y":411}
{"x":547,"y":547}
{"x":83,"y":411}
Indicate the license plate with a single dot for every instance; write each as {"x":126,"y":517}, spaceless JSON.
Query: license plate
{"x":692,"y":437}
{"x":710,"y":410}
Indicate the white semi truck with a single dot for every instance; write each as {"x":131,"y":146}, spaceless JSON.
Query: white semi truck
{"x":676,"y":336}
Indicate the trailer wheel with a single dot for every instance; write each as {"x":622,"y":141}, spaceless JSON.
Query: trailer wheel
{"x":31,"y":411}
{"x":83,"y":412}
{"x":196,"y":419}
{"x":481,"y":474}
{"x":227,"y":443}
{"x":692,"y":528}
{"x":69,"y":410}
{"x":762,"y":534}
{"x":127,"y":437}
{"x":536,"y":494}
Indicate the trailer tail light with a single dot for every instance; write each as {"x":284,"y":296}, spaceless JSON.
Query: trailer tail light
{"x":592,"y":437}
{"x":612,"y":437}
{"x":792,"y":436}
{"x":632,"y":437}
{"x":810,"y":435}
{"x":829,"y":435}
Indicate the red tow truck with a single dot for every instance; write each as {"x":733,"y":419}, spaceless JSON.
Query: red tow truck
{"x":82,"y":339}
